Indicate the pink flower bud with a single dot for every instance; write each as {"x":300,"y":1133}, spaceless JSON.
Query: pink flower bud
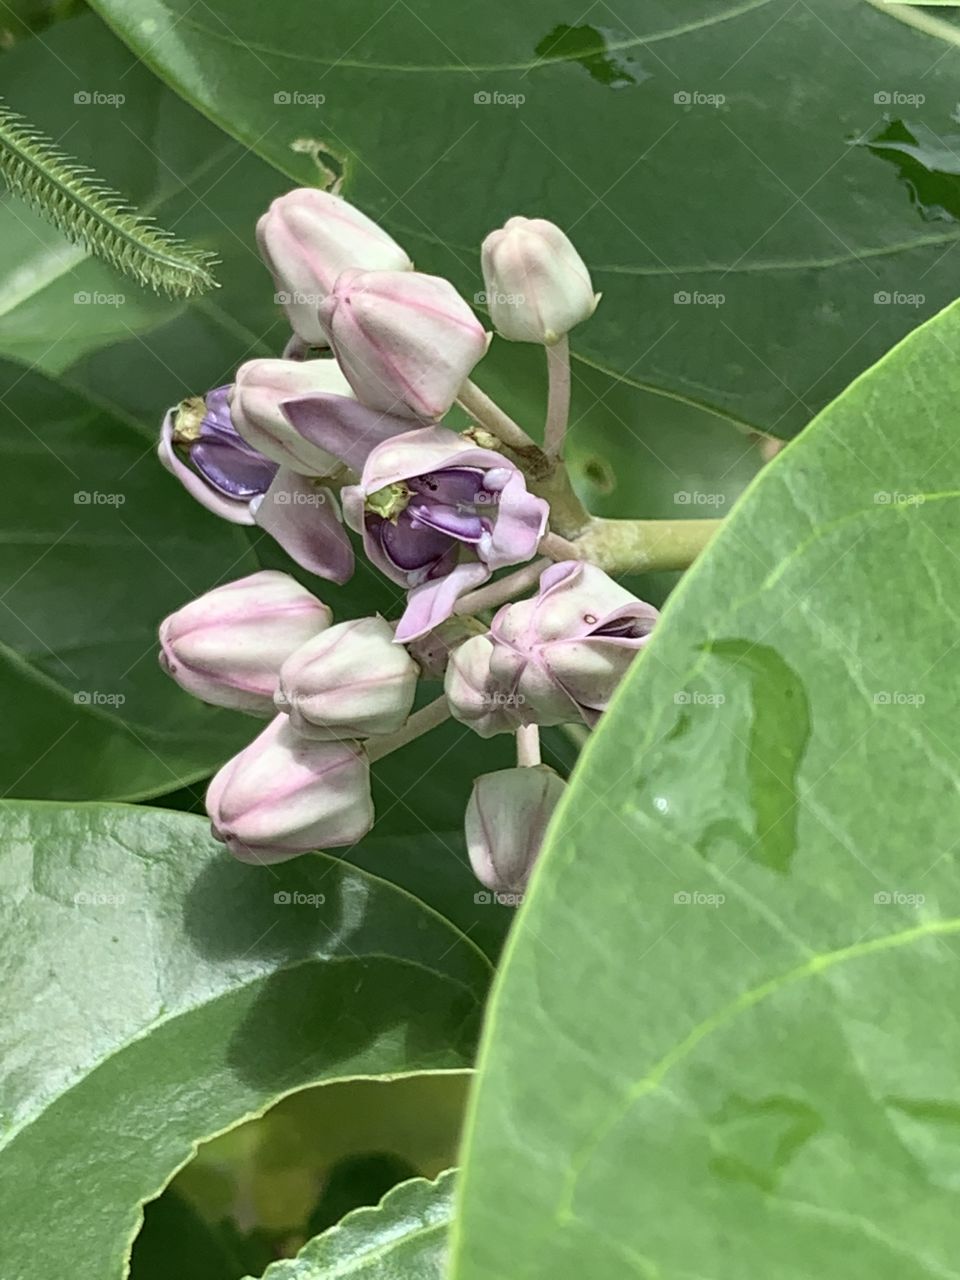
{"x":564,"y":652}
{"x":261,"y":387}
{"x":537,"y":285}
{"x":350,"y":682}
{"x":406,"y":341}
{"x":474,"y":696}
{"x":227,"y":648}
{"x":506,"y":818}
{"x":306,"y":238}
{"x":284,"y":795}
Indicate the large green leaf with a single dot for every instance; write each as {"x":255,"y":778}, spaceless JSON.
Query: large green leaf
{"x":724,"y":1043}
{"x":619,"y":137}
{"x":404,"y":1237}
{"x":157,"y":992}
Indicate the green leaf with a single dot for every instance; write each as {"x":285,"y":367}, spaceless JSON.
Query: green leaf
{"x":404,"y":1237}
{"x":722,"y":1044}
{"x":157,"y":992}
{"x":89,"y":522}
{"x":609,"y":123}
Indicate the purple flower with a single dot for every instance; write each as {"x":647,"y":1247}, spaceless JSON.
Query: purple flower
{"x":438,"y":515}
{"x":234,"y":480}
{"x":224,"y":472}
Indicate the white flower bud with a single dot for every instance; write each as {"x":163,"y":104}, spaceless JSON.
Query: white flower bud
{"x":474,"y":696}
{"x":306,"y":238}
{"x":406,"y":341}
{"x":284,"y":795}
{"x":261,"y":387}
{"x":227,"y":647}
{"x":350,"y":682}
{"x":537,"y":285}
{"x":506,"y":818}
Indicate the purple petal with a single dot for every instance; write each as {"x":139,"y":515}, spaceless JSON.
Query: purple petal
{"x":520,"y":523}
{"x":342,"y":426}
{"x":238,"y":473}
{"x":452,"y":521}
{"x":433,"y":602}
{"x":237,"y":511}
{"x":305,"y":520}
{"x":452,"y":487}
{"x":409,"y":546}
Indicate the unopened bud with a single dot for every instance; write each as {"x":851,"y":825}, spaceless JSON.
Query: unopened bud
{"x":285,"y":795}
{"x":537,"y":285}
{"x":261,"y":387}
{"x":474,"y":697}
{"x":306,"y":238}
{"x":350,"y":682}
{"x":406,"y":341}
{"x":506,"y":818}
{"x":564,"y":651}
{"x":227,"y":647}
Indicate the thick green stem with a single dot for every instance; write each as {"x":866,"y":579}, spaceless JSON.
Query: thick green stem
{"x":644,"y":546}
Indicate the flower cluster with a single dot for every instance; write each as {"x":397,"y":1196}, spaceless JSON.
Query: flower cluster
{"x":344,"y":433}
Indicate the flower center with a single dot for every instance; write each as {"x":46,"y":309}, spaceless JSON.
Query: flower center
{"x":187,"y":420}
{"x":389,"y":501}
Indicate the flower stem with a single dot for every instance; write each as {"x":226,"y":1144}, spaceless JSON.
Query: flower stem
{"x":421,"y":722}
{"x":643,"y":546}
{"x":528,"y":745}
{"x":504,"y":589}
{"x":558,"y":397}
{"x":488,"y":414}
{"x":557,"y":548}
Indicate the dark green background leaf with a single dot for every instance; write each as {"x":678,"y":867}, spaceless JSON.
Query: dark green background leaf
{"x":723,"y":1041}
{"x":97,"y":548}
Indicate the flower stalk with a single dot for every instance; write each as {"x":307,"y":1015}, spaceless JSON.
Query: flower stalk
{"x":558,"y":397}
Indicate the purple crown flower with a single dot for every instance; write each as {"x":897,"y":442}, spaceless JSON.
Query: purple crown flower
{"x":224,"y":472}
{"x":438,"y":515}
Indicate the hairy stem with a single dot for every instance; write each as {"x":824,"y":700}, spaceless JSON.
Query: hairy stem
{"x":644,"y":546}
{"x":504,"y":589}
{"x":558,"y":397}
{"x":421,"y":722}
{"x":528,"y":745}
